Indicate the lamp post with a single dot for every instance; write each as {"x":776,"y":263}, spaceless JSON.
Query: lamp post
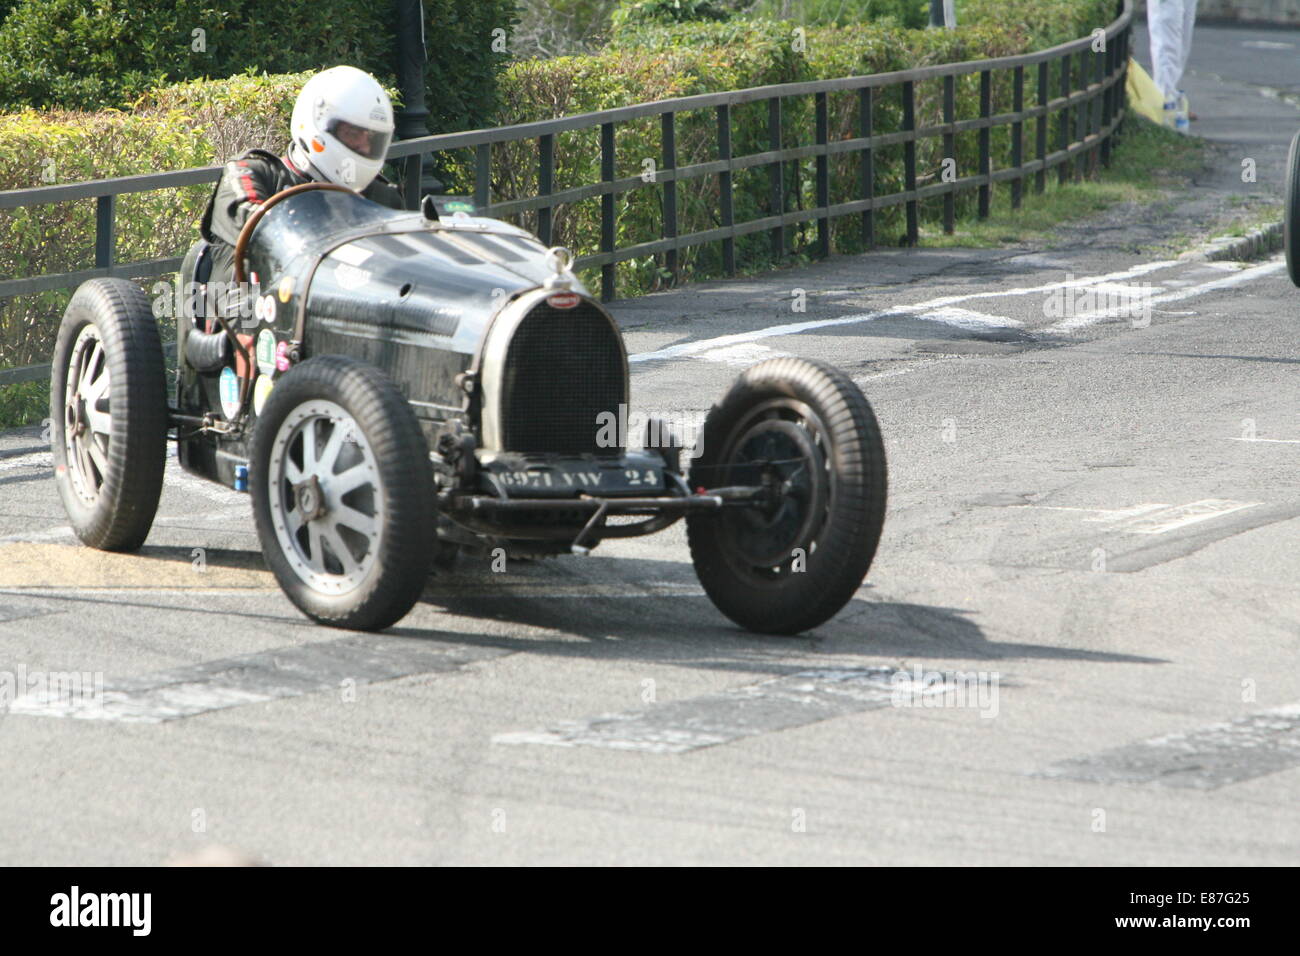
{"x":410,"y":121}
{"x":942,"y":14}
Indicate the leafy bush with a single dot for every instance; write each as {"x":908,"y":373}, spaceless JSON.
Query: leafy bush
{"x":668,"y":11}
{"x":842,"y":13}
{"x":86,"y":54}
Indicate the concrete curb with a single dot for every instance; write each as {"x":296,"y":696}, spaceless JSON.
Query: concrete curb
{"x":1254,"y":245}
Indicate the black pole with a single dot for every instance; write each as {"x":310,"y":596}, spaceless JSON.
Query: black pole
{"x":936,"y":13}
{"x":410,"y":121}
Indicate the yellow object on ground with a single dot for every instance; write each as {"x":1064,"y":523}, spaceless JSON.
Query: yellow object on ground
{"x":1143,"y":94}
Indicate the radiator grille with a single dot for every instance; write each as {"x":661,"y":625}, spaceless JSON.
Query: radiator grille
{"x":563,"y":368}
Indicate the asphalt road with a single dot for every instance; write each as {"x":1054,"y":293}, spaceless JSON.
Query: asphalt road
{"x":1087,"y":572}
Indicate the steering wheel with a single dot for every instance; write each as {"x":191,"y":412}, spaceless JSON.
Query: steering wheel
{"x":245,"y":234}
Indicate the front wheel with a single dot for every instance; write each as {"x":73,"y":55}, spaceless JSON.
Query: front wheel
{"x":343,"y":493}
{"x":805,"y":432}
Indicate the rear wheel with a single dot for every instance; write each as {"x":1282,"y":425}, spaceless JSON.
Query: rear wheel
{"x":1291,"y":213}
{"x":343,"y":493}
{"x":805,"y":431}
{"x":108,"y":409}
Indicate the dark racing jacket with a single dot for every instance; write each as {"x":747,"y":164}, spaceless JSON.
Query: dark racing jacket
{"x":247,"y":182}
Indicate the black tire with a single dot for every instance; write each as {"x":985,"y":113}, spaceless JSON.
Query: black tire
{"x":1291,"y":212}
{"x":109,"y":444}
{"x":828,"y":451}
{"x":378,"y":433}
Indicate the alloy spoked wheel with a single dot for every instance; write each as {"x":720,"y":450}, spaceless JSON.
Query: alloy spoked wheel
{"x":343,"y":493}
{"x":108,"y":414}
{"x":87,"y":415}
{"x":327,"y":501}
{"x":803,"y":433}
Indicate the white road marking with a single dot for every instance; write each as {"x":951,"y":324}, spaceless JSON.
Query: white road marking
{"x":794,"y":328}
{"x":177,"y":477}
{"x":1123,"y":514}
{"x":49,"y":534}
{"x":966,"y":319}
{"x":1155,"y":518}
{"x":40,"y":459}
{"x":1275,"y":441}
{"x":742,"y":355}
{"x":1183,"y":515}
{"x":777,"y":704}
{"x":262,"y":677}
{"x":1104,"y":514}
{"x":1092,"y":316}
{"x":1202,"y":759}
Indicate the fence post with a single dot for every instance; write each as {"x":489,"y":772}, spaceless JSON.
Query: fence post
{"x":909,"y":160}
{"x":105,"y":231}
{"x":1100,"y":61}
{"x":823,"y":178}
{"x":986,"y":161}
{"x":868,"y":170}
{"x":949,"y":151}
{"x":608,"y":270}
{"x":545,"y":184}
{"x":1017,"y":135}
{"x":668,"y":137}
{"x":1040,"y":177}
{"x":482,"y":178}
{"x":776,"y":172}
{"x":1082,"y":115}
{"x":1063,"y":172}
{"x":725,"y":200}
{"x":1106,"y":102}
{"x":411,"y":172}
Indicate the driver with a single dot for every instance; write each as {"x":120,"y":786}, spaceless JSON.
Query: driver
{"x":340,"y":129}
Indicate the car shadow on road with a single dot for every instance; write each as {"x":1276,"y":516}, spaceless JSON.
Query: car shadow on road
{"x":634,"y":609}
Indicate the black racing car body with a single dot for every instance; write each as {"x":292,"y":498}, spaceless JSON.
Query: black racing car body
{"x":507,"y":361}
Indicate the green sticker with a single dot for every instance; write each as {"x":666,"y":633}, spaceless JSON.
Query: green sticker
{"x":266,"y":351}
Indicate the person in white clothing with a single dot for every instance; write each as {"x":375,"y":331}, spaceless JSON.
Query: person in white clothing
{"x":1170,"y":24}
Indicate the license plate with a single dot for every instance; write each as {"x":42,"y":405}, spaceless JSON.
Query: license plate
{"x":592,"y":481}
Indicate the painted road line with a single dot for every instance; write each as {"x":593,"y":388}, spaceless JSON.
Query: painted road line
{"x":795,"y":328}
{"x":1090,"y":317}
{"x":1202,"y":759}
{"x":47,"y":534}
{"x":778,"y":704}
{"x":256,"y":678}
{"x":1102,"y":514}
{"x":1271,"y":441}
{"x":1180,"y":517}
{"x":742,"y":355}
{"x":1155,"y":518}
{"x":40,"y":459}
{"x":1124,"y":514}
{"x":968,"y":320}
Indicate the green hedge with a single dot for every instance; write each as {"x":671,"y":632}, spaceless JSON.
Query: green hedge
{"x":87,"y":54}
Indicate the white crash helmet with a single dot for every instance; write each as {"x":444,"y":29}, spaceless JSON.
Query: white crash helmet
{"x":342,"y":124}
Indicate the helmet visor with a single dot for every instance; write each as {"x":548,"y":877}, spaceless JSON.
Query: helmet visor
{"x":370,"y":143}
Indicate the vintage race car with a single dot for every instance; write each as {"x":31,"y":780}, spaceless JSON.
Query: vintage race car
{"x":398,"y":387}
